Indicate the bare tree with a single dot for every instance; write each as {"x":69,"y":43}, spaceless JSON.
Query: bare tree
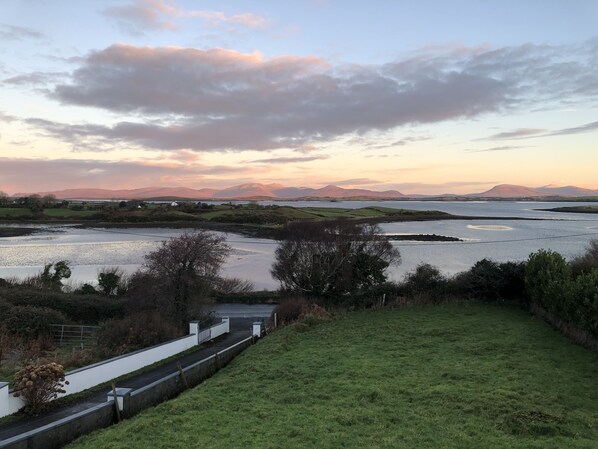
{"x":328,"y":259}
{"x":4,"y":199}
{"x":186,"y":267}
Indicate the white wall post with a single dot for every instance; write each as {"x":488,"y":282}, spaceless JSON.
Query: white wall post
{"x":193,"y":327}
{"x":122,"y":397}
{"x":4,"y":406}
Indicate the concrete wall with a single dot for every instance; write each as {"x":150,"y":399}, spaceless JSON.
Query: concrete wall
{"x":61,"y":432}
{"x":89,"y":376}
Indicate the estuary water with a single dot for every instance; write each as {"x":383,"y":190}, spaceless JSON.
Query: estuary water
{"x":90,"y":250}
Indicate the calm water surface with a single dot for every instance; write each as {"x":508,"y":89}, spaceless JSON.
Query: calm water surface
{"x":89,"y":250}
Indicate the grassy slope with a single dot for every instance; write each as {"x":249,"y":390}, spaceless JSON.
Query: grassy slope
{"x":438,"y":377}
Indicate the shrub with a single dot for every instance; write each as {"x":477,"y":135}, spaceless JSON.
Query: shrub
{"x":289,"y":310}
{"x":86,"y":289}
{"x":111,"y":281}
{"x":586,"y":262}
{"x":85,"y":309}
{"x":32,"y":322}
{"x":513,"y":281}
{"x":585,"y":295}
{"x":548,"y":282}
{"x":38,"y":385}
{"x":425,"y":278}
{"x":137,"y":331}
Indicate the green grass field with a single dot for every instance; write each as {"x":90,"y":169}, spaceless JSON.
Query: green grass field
{"x":457,"y":376}
{"x":12,"y":212}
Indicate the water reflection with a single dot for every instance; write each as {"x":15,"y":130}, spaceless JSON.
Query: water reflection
{"x":89,"y":250}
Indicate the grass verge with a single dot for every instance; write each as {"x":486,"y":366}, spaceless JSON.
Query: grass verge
{"x":453,"y":376}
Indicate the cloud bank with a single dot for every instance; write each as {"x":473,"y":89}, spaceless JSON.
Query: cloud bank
{"x":213,"y":100}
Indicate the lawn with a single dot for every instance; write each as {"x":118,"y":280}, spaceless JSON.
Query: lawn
{"x":457,"y":376}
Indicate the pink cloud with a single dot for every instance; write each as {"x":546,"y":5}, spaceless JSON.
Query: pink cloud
{"x":141,"y":15}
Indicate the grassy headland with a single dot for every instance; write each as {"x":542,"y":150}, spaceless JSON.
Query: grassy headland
{"x":249,"y":219}
{"x":454,"y":376}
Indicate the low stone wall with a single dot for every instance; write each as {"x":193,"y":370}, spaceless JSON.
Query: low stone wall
{"x":59,"y":433}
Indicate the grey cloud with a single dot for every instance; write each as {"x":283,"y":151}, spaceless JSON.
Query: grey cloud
{"x":288,"y":160}
{"x":15,"y":33}
{"x":516,"y":134}
{"x":590,"y":127}
{"x":224,"y":100}
{"x":141,"y":15}
{"x":35,"y":78}
{"x":530,"y":133}
{"x":6,"y":118}
{"x":503,"y":148}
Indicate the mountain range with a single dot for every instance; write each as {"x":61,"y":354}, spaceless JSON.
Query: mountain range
{"x":278,"y":191}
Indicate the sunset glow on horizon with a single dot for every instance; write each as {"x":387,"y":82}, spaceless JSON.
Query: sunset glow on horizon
{"x":429,"y":98}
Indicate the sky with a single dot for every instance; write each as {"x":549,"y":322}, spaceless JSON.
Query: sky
{"x":424,"y":97}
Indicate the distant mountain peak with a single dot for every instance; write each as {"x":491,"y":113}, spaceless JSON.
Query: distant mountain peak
{"x":511,"y":191}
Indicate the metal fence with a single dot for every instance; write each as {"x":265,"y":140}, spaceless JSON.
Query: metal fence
{"x":74,"y":335}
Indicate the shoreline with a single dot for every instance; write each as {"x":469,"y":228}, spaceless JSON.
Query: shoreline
{"x":244,"y":229}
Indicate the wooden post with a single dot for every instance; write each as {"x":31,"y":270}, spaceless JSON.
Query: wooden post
{"x":182,"y":373}
{"x":119,"y":419}
{"x":275,"y":323}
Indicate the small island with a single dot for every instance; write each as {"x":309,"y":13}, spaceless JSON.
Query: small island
{"x":574,"y":209}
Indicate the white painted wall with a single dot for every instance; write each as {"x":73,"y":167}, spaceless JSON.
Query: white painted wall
{"x":8,"y":403}
{"x":220,"y":329}
{"x":92,"y":375}
{"x":98,"y":373}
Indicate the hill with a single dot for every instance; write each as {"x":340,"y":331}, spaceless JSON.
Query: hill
{"x":567,"y":191}
{"x":242,"y":191}
{"x":511,"y":191}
